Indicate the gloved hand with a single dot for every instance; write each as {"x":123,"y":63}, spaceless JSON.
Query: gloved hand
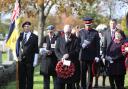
{"x":40,"y":50}
{"x":103,"y":59}
{"x":109,"y":59}
{"x":35,"y":60}
{"x":97,"y":59}
{"x":49,"y":52}
{"x":65,"y":56}
{"x":18,"y":59}
{"x":43,"y":51}
{"x":126,"y":49}
{"x":85,"y":43}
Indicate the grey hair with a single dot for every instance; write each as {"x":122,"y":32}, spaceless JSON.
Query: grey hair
{"x":67,"y":28}
{"x":101,"y":27}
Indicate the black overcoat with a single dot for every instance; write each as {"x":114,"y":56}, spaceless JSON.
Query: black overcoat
{"x":112,"y":49}
{"x":72,"y":48}
{"x":48,"y":62}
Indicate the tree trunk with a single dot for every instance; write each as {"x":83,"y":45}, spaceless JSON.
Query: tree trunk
{"x":41,"y":25}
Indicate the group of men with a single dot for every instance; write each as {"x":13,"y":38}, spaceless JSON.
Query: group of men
{"x":81,"y":51}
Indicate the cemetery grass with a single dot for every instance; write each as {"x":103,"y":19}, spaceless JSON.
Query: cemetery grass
{"x":38,"y":81}
{"x":4,"y":56}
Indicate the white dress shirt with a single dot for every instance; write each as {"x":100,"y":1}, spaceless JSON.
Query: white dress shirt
{"x":27,"y":36}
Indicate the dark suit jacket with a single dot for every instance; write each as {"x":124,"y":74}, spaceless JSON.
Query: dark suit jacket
{"x":107,"y":41}
{"x":28,"y":49}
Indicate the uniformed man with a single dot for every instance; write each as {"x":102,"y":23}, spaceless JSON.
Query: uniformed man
{"x":90,"y":50}
{"x":49,"y":59}
{"x":27,"y":53}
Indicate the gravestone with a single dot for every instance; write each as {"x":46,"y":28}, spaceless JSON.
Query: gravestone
{"x":10,"y":55}
{"x":1,"y":75}
{"x":0,"y":57}
{"x":1,"y":51}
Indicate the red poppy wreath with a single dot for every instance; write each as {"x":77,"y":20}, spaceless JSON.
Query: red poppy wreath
{"x":64,"y":71}
{"x":124,"y":50}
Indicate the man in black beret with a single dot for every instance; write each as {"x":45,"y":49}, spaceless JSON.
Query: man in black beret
{"x":26,"y":23}
{"x":90,"y":50}
{"x":27,"y":54}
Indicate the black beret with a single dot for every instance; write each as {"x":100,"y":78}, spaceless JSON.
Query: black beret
{"x":26,"y":23}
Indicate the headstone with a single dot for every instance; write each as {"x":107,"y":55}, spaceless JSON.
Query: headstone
{"x":1,"y":70}
{"x":1,"y":51}
{"x":0,"y":57}
{"x":7,"y":64}
{"x":10,"y":55}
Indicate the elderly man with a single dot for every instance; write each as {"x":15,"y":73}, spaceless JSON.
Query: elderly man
{"x":49,"y":58}
{"x":67,"y":51}
{"x":27,"y":53}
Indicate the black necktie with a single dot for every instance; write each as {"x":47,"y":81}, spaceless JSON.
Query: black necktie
{"x":25,"y":38}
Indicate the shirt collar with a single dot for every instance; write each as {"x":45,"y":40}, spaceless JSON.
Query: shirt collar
{"x":28,"y":34}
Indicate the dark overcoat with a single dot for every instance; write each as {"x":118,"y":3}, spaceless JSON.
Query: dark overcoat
{"x":113,"y":50}
{"x":72,"y":48}
{"x":48,"y":62}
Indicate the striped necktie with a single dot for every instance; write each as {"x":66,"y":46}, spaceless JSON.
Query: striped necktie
{"x":113,"y":34}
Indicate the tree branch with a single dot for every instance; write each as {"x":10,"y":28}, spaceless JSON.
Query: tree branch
{"x":81,"y":1}
{"x":49,"y":9}
{"x":46,"y":4}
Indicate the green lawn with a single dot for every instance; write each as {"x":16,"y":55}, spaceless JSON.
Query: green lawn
{"x":126,"y":80}
{"x":38,"y":81}
{"x":4,"y":57}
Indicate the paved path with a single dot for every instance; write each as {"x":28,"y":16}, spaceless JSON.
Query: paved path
{"x":106,"y":82}
{"x":107,"y":85}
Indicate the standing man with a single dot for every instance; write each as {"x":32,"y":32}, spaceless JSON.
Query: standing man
{"x":90,"y":50}
{"x":27,"y":53}
{"x":49,"y":59}
{"x":67,"y":51}
{"x":108,"y":49}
